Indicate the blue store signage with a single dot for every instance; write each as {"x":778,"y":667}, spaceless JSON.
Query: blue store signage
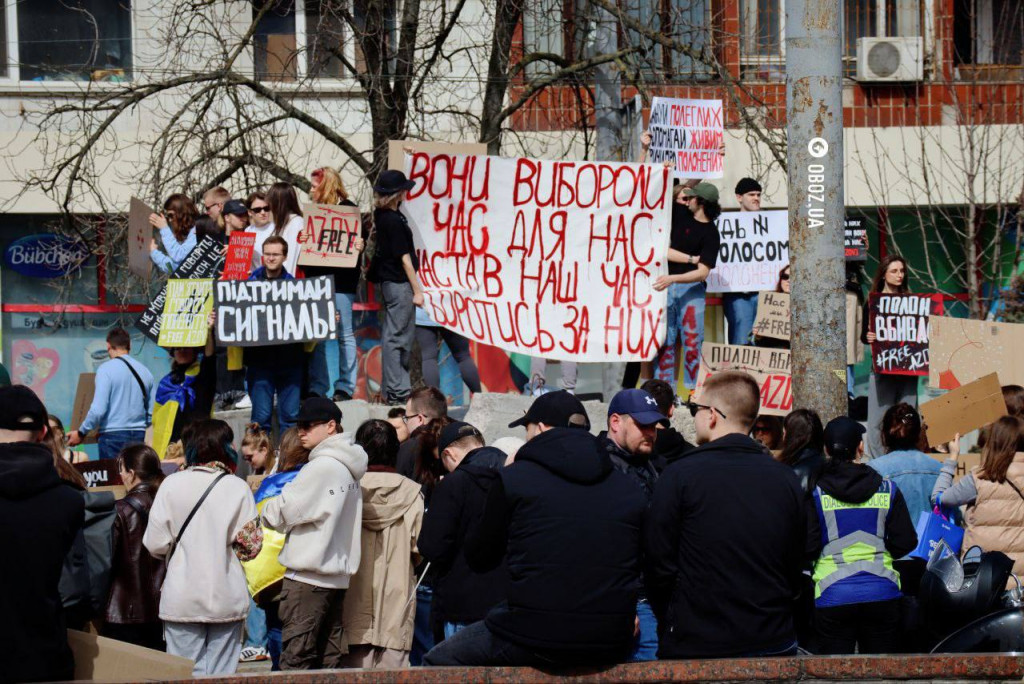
{"x":45,"y":255}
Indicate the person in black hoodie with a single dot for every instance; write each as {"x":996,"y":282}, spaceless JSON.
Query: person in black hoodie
{"x":724,"y":539}
{"x":568,"y":525}
{"x":803,"y":444}
{"x":863,"y":522}
{"x":461,"y":596}
{"x":42,"y":518}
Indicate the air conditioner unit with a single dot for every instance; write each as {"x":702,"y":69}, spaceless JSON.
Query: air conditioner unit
{"x":890,"y":59}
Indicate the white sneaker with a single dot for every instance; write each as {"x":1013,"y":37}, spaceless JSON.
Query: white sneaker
{"x":253,"y":654}
{"x":244,"y":403}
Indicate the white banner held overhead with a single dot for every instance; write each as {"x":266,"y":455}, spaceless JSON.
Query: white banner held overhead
{"x":754,"y":250}
{"x":689,"y":132}
{"x":546,"y":258}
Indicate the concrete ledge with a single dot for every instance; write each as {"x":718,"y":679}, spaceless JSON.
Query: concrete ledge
{"x":811,"y":668}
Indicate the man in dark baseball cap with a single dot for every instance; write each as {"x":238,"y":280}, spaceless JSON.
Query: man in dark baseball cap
{"x":21,"y":410}
{"x":559,"y":409}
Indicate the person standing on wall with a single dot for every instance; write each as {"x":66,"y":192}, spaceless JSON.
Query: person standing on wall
{"x":177,"y":226}
{"x":884,"y":390}
{"x":394,"y":266}
{"x":287,"y":217}
{"x":120,"y":408}
{"x":328,"y":189}
{"x":741,"y":307}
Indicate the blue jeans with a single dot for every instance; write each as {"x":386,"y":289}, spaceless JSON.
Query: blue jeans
{"x":453,"y":628}
{"x":263,"y":383}
{"x":740,"y":311}
{"x":684,"y":314}
{"x":422,"y":632}
{"x":319,"y":376}
{"x":111,"y":443}
{"x":645,"y":646}
{"x":255,"y":627}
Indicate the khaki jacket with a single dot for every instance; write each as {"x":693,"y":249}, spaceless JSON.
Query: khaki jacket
{"x":377,"y":607}
{"x":996,"y":520}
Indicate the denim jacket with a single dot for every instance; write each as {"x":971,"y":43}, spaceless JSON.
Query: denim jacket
{"x":914,"y":473}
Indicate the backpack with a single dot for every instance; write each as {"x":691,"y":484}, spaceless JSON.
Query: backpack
{"x":85,"y":581}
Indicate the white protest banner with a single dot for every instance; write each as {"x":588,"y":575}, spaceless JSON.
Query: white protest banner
{"x":254,"y":313}
{"x":754,"y":249}
{"x":547,"y":258}
{"x":688,"y":132}
{"x":769,"y":367}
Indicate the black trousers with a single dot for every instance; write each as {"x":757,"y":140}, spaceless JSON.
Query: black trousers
{"x":867,"y":627}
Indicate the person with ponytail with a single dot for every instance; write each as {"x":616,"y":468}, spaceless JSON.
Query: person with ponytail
{"x":905,"y":464}
{"x":133,"y":605}
{"x":177,"y":226}
{"x":256,"y":450}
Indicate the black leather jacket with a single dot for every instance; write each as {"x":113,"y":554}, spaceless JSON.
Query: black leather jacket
{"x":809,"y":466}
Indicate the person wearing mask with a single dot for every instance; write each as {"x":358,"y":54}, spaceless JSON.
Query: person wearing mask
{"x":275,"y":369}
{"x":177,"y":232}
{"x":993,"y":492}
{"x":716,"y":598}
{"x":378,"y":616}
{"x":568,"y":525}
{"x":633,"y":423}
{"x":885,"y":391}
{"x":327,"y":188}
{"x":320,"y":511}
{"x":260,"y":224}
{"x":133,"y":606}
{"x":462,"y":596}
{"x":424,"y":405}
{"x":669,"y":443}
{"x":803,"y":446}
{"x":693,"y":252}
{"x":741,"y":307}
{"x":42,"y":519}
{"x":120,"y":407}
{"x":204,"y":601}
{"x":905,"y":464}
{"x":287,"y":217}
{"x":394,"y":267}
{"x":862,"y":525}
{"x":186,"y":393}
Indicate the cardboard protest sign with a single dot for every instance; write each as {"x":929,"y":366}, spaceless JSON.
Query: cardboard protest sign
{"x":964,"y":463}
{"x":769,"y":367}
{"x":187,"y":307}
{"x":100,"y":659}
{"x":328,"y":237}
{"x":963,"y":350}
{"x":83,"y":400}
{"x":239,"y":258}
{"x":900,"y":324}
{"x":754,"y":249}
{"x":205,"y":261}
{"x":546,"y":258}
{"x":966,"y":408}
{"x":140,"y":233}
{"x":254,"y":313}
{"x":855,"y":245}
{"x":688,"y":132}
{"x":396,"y":150}
{"x":773,"y":316}
{"x":105,"y":473}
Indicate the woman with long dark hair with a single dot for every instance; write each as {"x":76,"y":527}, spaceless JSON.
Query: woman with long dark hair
{"x":177,"y":232}
{"x":803,"y":446}
{"x":904,"y":463}
{"x":884,"y":390}
{"x":287,"y":217}
{"x":133,"y":605}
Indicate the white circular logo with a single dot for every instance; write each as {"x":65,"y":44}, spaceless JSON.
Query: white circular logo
{"x":817,"y":147}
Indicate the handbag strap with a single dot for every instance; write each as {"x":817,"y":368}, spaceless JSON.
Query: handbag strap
{"x":137,"y":507}
{"x":1019,"y":493}
{"x":142,"y":386}
{"x":177,"y":540}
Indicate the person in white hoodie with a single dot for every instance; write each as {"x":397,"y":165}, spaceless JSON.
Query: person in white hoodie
{"x":321,"y":511}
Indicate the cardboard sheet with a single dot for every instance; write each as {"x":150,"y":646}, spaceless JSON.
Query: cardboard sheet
{"x":396,"y":153}
{"x":106,"y":660}
{"x":83,"y":400}
{"x":966,"y":408}
{"x":963,"y":350}
{"x":140,"y":233}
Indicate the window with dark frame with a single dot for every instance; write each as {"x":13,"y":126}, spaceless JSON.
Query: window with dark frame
{"x":74,"y":40}
{"x":988,"y":33}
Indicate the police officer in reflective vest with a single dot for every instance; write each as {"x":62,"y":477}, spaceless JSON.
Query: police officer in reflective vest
{"x":864,"y":524}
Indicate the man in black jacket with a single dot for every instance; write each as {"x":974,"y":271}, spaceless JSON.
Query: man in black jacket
{"x":461,"y":596}
{"x":669,"y":443}
{"x":41,"y":518}
{"x":571,"y":524}
{"x":725,"y":536}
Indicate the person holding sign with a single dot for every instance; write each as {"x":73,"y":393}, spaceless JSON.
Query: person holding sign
{"x":693,"y":252}
{"x":287,"y":216}
{"x":886,"y":390}
{"x":177,"y":232}
{"x":741,"y":307}
{"x":394,"y":267}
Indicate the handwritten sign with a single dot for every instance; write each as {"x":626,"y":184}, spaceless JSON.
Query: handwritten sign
{"x":964,"y":350}
{"x":187,"y":307}
{"x":100,"y":473}
{"x":239,"y":258}
{"x":547,"y":258}
{"x":328,"y":238}
{"x":205,"y":261}
{"x":900,"y":324}
{"x":769,"y":367}
{"x":254,"y":313}
{"x":140,"y":233}
{"x":754,"y":249}
{"x":855,"y":247}
{"x":688,"y":132}
{"x":773,"y":316}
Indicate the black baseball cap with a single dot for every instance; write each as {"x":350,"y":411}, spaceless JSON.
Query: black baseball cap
{"x":453,"y":432}
{"x":20,"y":409}
{"x":556,"y":409}
{"x":843,"y":435}
{"x":318,"y":409}
{"x":236,"y":207}
{"x":747,"y":185}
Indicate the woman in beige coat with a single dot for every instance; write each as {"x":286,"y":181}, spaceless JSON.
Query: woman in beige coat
{"x":378,"y":615}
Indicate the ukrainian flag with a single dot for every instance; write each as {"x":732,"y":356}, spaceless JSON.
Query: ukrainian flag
{"x":264,"y":571}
